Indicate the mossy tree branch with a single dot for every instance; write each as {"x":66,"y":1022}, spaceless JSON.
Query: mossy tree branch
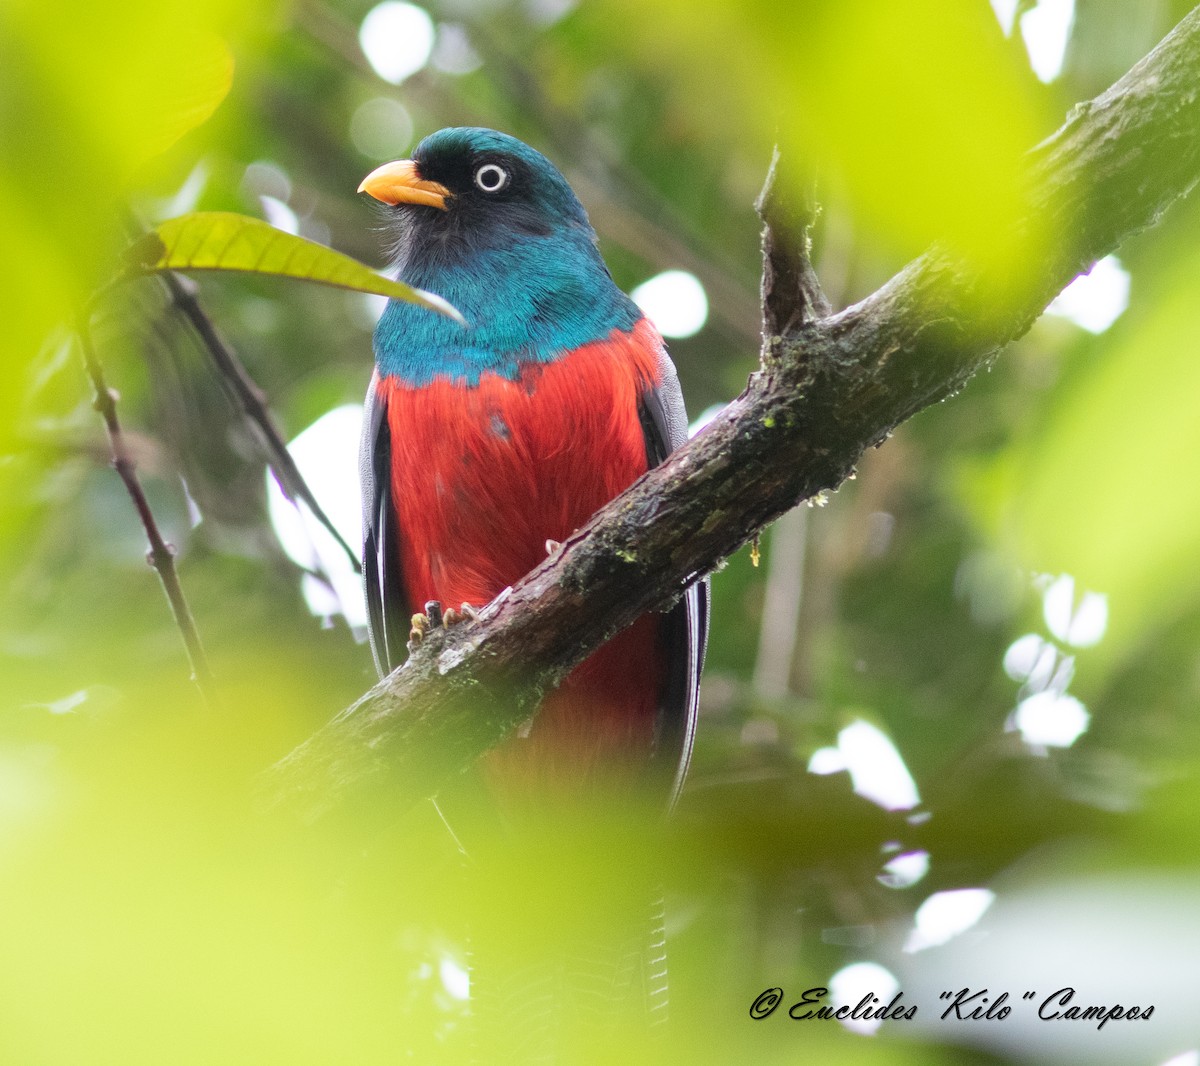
{"x":830,"y":386}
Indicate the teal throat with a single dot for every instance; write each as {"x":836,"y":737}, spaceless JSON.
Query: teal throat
{"x":531,"y":302}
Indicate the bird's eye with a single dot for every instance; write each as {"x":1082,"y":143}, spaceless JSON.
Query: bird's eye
{"x":491,"y":178}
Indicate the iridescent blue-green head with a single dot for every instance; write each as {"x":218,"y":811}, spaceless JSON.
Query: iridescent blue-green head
{"x":490,"y":224}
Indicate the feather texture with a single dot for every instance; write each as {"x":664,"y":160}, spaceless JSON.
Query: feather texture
{"x":484,"y":441}
{"x":481,"y":478}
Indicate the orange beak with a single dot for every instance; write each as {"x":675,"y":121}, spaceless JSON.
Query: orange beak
{"x":398,"y":183}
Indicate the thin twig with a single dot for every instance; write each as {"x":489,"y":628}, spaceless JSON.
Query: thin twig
{"x":783,"y":597}
{"x":243,"y":388}
{"x":161,"y":555}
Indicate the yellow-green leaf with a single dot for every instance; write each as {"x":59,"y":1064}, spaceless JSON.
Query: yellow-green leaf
{"x":221,"y":240}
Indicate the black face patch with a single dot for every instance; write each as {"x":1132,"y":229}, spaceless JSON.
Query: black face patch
{"x":502,"y":194}
{"x":498,"y":193}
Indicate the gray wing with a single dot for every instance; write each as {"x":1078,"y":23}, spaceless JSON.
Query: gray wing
{"x":685,"y":627}
{"x":387,"y":622}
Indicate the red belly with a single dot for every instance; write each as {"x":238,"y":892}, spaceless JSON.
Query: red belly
{"x":482,"y":478}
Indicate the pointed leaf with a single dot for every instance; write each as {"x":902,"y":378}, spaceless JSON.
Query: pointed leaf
{"x":221,"y":240}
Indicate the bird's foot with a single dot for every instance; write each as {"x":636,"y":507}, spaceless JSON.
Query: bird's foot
{"x":465,"y":613}
{"x":552,"y":546}
{"x":421,"y":626}
{"x":434,"y":617}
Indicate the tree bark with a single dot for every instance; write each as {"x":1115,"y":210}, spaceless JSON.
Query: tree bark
{"x":830,"y":386}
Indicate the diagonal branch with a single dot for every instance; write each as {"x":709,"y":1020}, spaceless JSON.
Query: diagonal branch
{"x":184,"y":295}
{"x":830,"y":388}
{"x":183,"y":292}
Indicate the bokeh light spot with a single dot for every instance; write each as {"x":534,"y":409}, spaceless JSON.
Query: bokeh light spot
{"x":854,"y":982}
{"x":876,"y":769}
{"x":674,"y":301}
{"x":452,"y":51}
{"x":264,"y":178}
{"x":1095,"y":300}
{"x":397,"y":39}
{"x":1046,"y":29}
{"x":1028,"y":657}
{"x":1006,"y":14}
{"x":1051,"y":720}
{"x":945,"y":915}
{"x":327,"y":455}
{"x":280,"y":215}
{"x":1082,"y":625}
{"x":704,"y":417}
{"x":381,"y":128}
{"x":455,"y":978}
{"x":548,"y":12}
{"x":904,"y":870}
{"x":366,"y":308}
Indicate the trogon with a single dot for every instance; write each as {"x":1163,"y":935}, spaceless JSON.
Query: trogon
{"x":487,"y":442}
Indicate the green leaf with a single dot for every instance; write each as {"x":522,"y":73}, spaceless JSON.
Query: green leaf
{"x":222,"y":240}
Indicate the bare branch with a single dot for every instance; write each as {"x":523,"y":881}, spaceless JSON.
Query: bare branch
{"x":161,"y":555}
{"x":830,"y":388}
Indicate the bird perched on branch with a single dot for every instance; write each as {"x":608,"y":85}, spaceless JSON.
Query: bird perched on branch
{"x":485,"y":444}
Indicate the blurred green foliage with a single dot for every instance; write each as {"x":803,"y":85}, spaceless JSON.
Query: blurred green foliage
{"x":149,"y":914}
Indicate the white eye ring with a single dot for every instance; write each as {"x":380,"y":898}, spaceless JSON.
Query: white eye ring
{"x":491,"y":178}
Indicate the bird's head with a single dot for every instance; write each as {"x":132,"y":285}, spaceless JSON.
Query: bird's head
{"x":488,"y":223}
{"x":469,"y":189}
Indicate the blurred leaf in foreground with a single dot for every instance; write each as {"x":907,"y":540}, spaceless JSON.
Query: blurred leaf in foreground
{"x":1102,"y":488}
{"x":919,"y":112}
{"x":86,"y":99}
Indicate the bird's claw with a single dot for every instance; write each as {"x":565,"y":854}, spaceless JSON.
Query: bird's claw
{"x":435,"y":618}
{"x":465,"y":613}
{"x":418,"y":631}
